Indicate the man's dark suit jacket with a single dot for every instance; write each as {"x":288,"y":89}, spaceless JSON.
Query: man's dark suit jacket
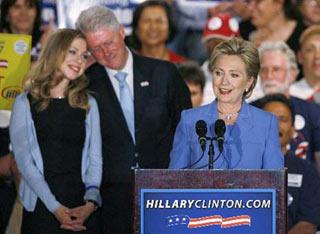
{"x":160,"y":95}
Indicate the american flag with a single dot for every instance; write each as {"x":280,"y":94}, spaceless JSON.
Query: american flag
{"x":206,"y":221}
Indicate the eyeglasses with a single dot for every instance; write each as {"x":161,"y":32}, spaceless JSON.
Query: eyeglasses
{"x":275,"y":71}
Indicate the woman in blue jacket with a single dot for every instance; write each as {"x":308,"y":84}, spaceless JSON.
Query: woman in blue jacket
{"x":55,"y":136}
{"x":251,"y":139}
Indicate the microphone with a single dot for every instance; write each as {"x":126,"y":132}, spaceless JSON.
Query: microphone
{"x":201,"y":130}
{"x":220,"y":129}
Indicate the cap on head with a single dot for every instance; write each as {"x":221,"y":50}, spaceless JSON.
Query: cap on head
{"x":310,"y":31}
{"x":221,"y":26}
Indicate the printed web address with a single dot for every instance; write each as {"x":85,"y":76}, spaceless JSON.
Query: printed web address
{"x":207,"y":204}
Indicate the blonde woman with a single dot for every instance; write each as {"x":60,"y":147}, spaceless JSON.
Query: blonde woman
{"x":251,"y":138}
{"x":56,"y":141}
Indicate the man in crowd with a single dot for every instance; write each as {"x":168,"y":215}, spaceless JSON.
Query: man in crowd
{"x":278,"y":70}
{"x":140,"y":100}
{"x":308,"y":88}
{"x":194,"y":77}
{"x":303,"y":179}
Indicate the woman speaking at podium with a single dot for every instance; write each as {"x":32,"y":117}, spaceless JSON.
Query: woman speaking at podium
{"x":244,"y":137}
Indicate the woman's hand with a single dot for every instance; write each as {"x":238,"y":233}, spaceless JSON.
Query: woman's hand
{"x":81,"y":213}
{"x":5,"y":164}
{"x":64,"y":217}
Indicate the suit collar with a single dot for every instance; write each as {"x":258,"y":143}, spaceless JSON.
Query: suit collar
{"x":141,"y":84}
{"x":108,"y":97}
{"x":242,"y":125}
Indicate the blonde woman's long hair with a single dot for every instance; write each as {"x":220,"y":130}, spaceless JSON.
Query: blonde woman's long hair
{"x":46,"y":74}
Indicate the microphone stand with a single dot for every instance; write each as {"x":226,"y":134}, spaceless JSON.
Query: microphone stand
{"x":211,"y":152}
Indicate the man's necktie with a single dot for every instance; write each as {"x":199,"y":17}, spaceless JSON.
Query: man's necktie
{"x":126,"y":101}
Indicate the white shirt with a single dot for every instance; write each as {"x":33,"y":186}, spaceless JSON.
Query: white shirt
{"x":208,"y":95}
{"x":128,"y":68}
{"x":4,"y":118}
{"x":301,"y":89}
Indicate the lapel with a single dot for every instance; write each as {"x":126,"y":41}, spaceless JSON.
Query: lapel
{"x":141,"y":92}
{"x":241,"y":131}
{"x":242,"y":125}
{"x":244,"y":120}
{"x":111,"y":102}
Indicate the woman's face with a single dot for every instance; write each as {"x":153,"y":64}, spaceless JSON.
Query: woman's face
{"x":74,"y":63}
{"x":263,"y":11}
{"x":230,"y":79}
{"x":21,"y":17}
{"x":153,"y":26}
{"x":310,"y":9}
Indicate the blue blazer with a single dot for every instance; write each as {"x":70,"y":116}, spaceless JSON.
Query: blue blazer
{"x":251,"y":143}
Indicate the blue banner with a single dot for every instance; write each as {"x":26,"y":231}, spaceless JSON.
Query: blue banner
{"x":200,"y":211}
{"x":200,"y":3}
{"x":69,"y":10}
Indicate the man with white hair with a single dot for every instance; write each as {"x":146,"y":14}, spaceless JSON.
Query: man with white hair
{"x":278,"y":70}
{"x":140,"y":100}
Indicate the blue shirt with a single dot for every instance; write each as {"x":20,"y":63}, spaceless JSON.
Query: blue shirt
{"x":307,"y":124}
{"x":304,"y":204}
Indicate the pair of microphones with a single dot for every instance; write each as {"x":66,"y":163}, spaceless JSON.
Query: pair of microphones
{"x":219,"y":129}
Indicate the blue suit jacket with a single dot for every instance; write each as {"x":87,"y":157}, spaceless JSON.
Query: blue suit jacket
{"x":251,"y":143}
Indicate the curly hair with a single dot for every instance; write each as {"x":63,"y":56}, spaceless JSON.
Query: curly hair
{"x":46,"y":74}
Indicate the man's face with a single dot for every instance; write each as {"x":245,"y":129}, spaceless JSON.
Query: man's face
{"x":286,"y":128}
{"x":274,"y":72}
{"x":196,"y":94}
{"x":309,"y":57}
{"x":108,"y":47}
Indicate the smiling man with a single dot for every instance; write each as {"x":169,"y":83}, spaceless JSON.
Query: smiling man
{"x":140,"y":100}
{"x":278,"y":70}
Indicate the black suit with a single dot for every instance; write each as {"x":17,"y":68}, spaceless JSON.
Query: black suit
{"x":160,"y":95}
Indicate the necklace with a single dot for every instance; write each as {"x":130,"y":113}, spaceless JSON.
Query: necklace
{"x":228,"y":116}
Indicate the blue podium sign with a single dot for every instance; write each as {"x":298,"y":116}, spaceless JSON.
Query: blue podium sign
{"x":200,"y":211}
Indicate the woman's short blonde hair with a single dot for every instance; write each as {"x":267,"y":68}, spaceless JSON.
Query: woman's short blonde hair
{"x":46,"y":73}
{"x":244,"y":50}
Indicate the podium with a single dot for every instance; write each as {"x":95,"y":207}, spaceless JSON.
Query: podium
{"x":209,"y":201}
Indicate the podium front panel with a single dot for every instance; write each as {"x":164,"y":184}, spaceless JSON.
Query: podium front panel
{"x":205,"y":201}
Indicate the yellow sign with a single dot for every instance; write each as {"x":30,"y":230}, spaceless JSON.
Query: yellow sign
{"x":14,"y":65}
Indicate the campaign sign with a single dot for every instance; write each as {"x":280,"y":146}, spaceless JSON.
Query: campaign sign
{"x":200,"y":211}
